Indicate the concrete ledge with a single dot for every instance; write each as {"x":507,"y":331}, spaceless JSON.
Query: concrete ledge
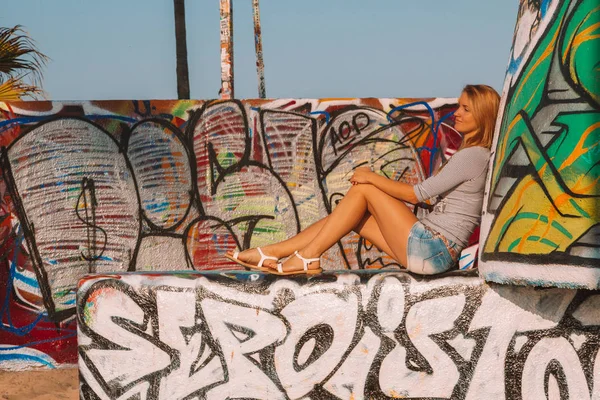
{"x":546,"y":275}
{"x":339,"y":335}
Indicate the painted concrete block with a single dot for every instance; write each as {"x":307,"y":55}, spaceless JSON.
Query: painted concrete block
{"x":117,"y":186}
{"x":346,"y":335}
{"x":541,"y":220}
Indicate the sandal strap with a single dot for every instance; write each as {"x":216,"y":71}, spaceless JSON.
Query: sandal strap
{"x":236,"y":254}
{"x":280,"y":268}
{"x":264,"y":257}
{"x":306,"y":261}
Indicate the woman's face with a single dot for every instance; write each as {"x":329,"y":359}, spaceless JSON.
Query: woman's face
{"x":464,"y":120}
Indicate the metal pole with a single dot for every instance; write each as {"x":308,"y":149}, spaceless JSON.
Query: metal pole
{"x":183,"y":80}
{"x":226,"y":9}
{"x":260,"y":66}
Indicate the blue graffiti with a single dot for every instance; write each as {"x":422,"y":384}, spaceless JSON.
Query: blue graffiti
{"x":435,"y":127}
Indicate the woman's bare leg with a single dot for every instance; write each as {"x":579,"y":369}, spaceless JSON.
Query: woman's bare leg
{"x":367,"y":228}
{"x":394,"y":220}
{"x":285,"y":247}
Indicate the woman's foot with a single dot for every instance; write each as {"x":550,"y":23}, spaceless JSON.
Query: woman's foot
{"x":254,"y":257}
{"x":297,"y":264}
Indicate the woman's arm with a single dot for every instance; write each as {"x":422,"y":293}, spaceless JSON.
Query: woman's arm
{"x":399,"y":190}
{"x":464,"y":165}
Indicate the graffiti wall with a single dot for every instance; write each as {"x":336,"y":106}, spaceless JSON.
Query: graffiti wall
{"x":541,"y":219}
{"x":338,"y":336}
{"x":98,"y":187}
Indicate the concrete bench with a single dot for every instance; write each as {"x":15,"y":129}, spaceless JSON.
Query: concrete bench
{"x":342,"y":335}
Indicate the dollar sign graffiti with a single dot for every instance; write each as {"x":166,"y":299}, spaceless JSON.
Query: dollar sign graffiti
{"x":86,"y":205}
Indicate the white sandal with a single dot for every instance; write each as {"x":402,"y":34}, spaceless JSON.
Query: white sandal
{"x":259,"y":266}
{"x":305,"y":270}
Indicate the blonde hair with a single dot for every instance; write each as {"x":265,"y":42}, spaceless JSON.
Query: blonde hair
{"x":485,"y":102}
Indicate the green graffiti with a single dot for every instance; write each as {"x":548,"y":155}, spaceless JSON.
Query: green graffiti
{"x":545,"y":185}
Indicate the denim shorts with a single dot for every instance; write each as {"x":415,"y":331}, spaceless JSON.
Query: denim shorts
{"x":428,"y":252}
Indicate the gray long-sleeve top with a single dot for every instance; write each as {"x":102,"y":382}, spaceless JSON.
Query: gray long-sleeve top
{"x":461,"y":183}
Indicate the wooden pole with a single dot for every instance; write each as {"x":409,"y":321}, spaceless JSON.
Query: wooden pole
{"x":226,"y":10}
{"x":260,"y":67}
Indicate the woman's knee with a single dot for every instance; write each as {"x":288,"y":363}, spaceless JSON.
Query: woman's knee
{"x":364,"y":189}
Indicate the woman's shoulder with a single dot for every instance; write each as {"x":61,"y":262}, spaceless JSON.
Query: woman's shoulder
{"x":479,"y":149}
{"x":473,"y":152}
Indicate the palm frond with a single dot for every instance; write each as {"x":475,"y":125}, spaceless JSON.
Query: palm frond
{"x":19,"y":55}
{"x":15,"y":89}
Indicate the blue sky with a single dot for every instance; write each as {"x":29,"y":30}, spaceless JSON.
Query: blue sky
{"x":125,"y":49}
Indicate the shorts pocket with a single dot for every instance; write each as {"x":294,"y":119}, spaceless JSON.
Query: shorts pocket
{"x":437,"y":263}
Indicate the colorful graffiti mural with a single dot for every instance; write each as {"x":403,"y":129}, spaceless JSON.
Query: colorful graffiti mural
{"x":99,"y":187}
{"x":541,"y":222}
{"x":338,"y":336}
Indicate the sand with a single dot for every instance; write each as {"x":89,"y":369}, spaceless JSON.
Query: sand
{"x":53,"y":384}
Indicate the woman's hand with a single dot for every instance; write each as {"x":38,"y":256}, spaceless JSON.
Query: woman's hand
{"x":362,"y":175}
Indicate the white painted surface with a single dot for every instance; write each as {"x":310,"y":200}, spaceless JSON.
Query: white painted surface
{"x":384,"y":334}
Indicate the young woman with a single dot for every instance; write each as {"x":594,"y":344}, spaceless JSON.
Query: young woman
{"x":374,"y":206}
